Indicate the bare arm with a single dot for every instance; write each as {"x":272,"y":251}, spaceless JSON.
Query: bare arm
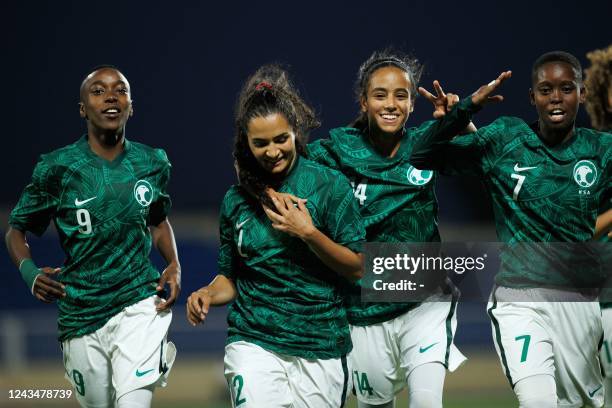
{"x":163,"y":240}
{"x":43,"y":286}
{"x":218,"y":293}
{"x":297,"y":222}
{"x":603,"y":224}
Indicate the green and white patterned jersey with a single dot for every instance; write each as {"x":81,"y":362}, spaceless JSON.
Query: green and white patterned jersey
{"x":396,"y":200}
{"x":101,"y":210}
{"x":540,"y":194}
{"x":607,"y":291}
{"x":288,"y":301}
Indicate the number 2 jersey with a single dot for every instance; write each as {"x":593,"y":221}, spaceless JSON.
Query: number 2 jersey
{"x":540,"y":194}
{"x":396,"y":200}
{"x":101,"y":211}
{"x":288,"y":301}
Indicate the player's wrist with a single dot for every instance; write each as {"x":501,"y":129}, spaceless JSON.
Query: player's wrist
{"x":309,"y":234}
{"x":29,"y":272}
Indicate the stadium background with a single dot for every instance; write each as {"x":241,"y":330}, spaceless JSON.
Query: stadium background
{"x":186,"y":63}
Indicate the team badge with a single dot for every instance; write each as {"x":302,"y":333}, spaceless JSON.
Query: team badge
{"x":143,"y":192}
{"x":585,"y":173}
{"x":419,"y":177}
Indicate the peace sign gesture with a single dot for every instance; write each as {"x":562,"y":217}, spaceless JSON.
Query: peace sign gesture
{"x":442,"y":102}
{"x":482,"y":95}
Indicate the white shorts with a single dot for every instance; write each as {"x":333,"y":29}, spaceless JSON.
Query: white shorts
{"x":129,"y":352}
{"x":384,"y":354}
{"x":605,"y":354}
{"x":259,"y":378}
{"x":560,"y":339}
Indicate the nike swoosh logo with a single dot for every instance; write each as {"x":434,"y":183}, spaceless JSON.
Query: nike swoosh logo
{"x":239,"y":225}
{"x":592,"y":393}
{"x":517,"y":168}
{"x":80,"y":203}
{"x":424,"y":349}
{"x":141,"y":373}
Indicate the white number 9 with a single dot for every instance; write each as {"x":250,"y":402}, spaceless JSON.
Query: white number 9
{"x":84,"y":221}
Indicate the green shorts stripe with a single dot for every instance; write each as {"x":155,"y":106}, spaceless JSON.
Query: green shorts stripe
{"x":346,"y":374}
{"x":499,"y":341}
{"x":449,"y":328}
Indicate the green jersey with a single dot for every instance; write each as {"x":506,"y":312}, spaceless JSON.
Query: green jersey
{"x":540,"y":194}
{"x":396,"y":200}
{"x":101,"y":211}
{"x":288,"y":301}
{"x":607,"y":292}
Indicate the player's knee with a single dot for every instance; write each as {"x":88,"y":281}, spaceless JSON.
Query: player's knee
{"x":538,"y":391}
{"x":139,"y":398}
{"x":540,"y":401}
{"x":424,"y":399}
{"x":390,"y":404}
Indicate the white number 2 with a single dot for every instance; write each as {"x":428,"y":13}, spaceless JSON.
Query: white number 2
{"x":518,"y":186}
{"x":84,"y":220}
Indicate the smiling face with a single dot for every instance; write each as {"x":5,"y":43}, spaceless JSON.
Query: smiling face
{"x":272,"y":142}
{"x":106,"y":101}
{"x":557,"y":93}
{"x":387,"y":101}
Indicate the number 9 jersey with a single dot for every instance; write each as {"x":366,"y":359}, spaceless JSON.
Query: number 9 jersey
{"x":102,"y":210}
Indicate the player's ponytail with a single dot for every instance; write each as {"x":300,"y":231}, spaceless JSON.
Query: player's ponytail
{"x":266,"y":92}
{"x":380,"y":59}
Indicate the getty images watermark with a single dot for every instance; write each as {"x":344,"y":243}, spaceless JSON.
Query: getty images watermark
{"x":430,"y":271}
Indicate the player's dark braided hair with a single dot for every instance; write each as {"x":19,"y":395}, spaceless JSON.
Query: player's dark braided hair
{"x":379,"y":59}
{"x":266,"y":92}
{"x":597,"y":81}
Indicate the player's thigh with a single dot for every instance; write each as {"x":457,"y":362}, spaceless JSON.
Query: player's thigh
{"x":374,"y":363}
{"x":426,"y":335}
{"x":88,"y":368}
{"x":141,"y":354}
{"x":256,"y":377}
{"x":578,"y":331}
{"x":319,"y":383}
{"x":522,"y":340}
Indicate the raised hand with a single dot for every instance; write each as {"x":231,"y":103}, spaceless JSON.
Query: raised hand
{"x":483,"y":95}
{"x":47,"y":289}
{"x":442,"y":102}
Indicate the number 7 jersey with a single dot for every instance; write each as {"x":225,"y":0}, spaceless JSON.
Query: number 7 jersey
{"x":101,"y":211}
{"x":540,"y":193}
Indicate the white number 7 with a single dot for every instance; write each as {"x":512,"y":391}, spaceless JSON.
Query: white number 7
{"x":518,"y":186}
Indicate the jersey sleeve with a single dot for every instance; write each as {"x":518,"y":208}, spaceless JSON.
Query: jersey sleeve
{"x":342,"y":217}
{"x":606,"y":198}
{"x":228,"y":258}
{"x":320,"y":151}
{"x":159,"y":209}
{"x":440,"y":146}
{"x":38,"y":201}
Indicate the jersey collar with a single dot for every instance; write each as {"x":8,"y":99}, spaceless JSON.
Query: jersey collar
{"x":84,"y":146}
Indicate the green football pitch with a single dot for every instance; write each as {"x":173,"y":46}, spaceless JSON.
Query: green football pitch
{"x":197,"y":381}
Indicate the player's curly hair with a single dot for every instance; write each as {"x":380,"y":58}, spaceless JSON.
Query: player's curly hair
{"x":268,"y":91}
{"x":597,"y":81}
{"x":380,"y":59}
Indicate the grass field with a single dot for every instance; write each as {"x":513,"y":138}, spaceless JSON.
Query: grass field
{"x":198,"y":382}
